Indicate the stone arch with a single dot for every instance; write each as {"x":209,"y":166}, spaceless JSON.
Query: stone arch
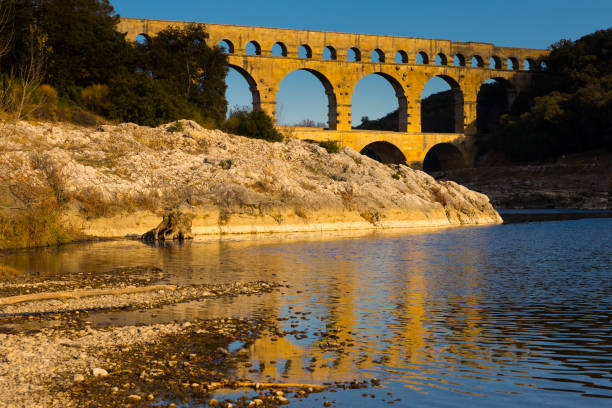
{"x":477,"y":61}
{"x":401,"y":57}
{"x":377,"y":55}
{"x":332,"y":106}
{"x":356,"y":52}
{"x":495,"y":62}
{"x":280,"y":51}
{"x":384,"y":152}
{"x":542,"y":65}
{"x":529,"y":64}
{"x":441,"y":59}
{"x":459,"y":60}
{"x":512,"y":64}
{"x":422,"y":56}
{"x":458,"y":102}
{"x":402,"y":100}
{"x":227,"y":46}
{"x":495,"y":98}
{"x":256,"y":47}
{"x":142,"y":39}
{"x":443,"y":156}
{"x":252,"y":85}
{"x":333,"y":55}
{"x":305,"y":50}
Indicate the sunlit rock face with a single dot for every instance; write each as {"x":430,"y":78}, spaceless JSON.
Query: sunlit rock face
{"x":120,"y":179}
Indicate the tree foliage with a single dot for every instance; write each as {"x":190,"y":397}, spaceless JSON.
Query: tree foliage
{"x":175,"y":75}
{"x":569,"y":109}
{"x":255,"y":124}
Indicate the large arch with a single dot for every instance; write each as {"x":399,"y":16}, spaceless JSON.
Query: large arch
{"x":252,"y":85}
{"x":402,"y":100}
{"x":332,"y":104}
{"x":384,"y":152}
{"x":456,"y":124}
{"x":495,"y":97}
{"x":443,"y":156}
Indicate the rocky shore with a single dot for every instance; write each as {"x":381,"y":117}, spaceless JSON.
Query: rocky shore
{"x":120,"y":180}
{"x":582,"y":181}
{"x":49,"y":352}
{"x":51,"y":356}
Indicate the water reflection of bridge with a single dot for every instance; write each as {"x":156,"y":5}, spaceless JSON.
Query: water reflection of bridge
{"x":341,"y":60}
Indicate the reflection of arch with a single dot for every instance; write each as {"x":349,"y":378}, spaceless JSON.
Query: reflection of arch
{"x":402,"y":101}
{"x":377,"y":56}
{"x":279,"y":49}
{"x":441,"y":59}
{"x":226,"y":45}
{"x":252,"y":85}
{"x":306,"y":50}
{"x":423,"y":57}
{"x":459,"y":60}
{"x":256,"y":48}
{"x":356,"y":54}
{"x":384,"y":152}
{"x":332,"y":105}
{"x":457,"y":104}
{"x":495,"y":62}
{"x":443,"y":156}
{"x":401,"y":57}
{"x":477,"y":61}
{"x":332,"y":52}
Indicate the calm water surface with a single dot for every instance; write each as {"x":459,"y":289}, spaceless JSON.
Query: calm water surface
{"x":484,"y":316}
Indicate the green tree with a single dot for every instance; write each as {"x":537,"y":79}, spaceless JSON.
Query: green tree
{"x":569,"y":109}
{"x":181,"y":60}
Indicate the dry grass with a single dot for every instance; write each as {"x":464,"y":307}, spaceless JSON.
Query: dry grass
{"x":35,"y":226}
{"x":94,"y":205}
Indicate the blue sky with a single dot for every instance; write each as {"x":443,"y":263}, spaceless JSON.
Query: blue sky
{"x":515,"y":23}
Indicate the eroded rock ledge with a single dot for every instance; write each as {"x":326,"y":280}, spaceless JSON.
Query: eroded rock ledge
{"x":120,"y":180}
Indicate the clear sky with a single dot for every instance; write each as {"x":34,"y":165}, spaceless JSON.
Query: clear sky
{"x":514,"y":23}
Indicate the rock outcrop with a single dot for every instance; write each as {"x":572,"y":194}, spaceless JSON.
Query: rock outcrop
{"x":120,"y":179}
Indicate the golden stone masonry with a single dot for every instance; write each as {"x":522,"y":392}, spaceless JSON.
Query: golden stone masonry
{"x":265,"y":72}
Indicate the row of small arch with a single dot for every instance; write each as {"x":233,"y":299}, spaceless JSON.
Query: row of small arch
{"x":401,"y":57}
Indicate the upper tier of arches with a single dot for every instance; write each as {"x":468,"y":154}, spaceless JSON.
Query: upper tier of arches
{"x":385,"y":48}
{"x":399,"y":56}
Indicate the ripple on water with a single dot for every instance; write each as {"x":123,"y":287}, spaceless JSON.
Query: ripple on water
{"x":502,"y":315}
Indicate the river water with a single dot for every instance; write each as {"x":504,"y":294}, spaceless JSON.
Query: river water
{"x":506,"y":315}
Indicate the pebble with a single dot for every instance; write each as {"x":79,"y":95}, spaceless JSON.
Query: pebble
{"x":99,"y":372}
{"x":213,"y":403}
{"x":134,"y":398}
{"x":79,"y":377}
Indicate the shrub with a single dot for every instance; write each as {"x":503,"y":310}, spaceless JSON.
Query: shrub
{"x":47,"y":95}
{"x":95,"y":97}
{"x":332,"y":146}
{"x":254,"y":124}
{"x":176,"y":127}
{"x":35,"y":226}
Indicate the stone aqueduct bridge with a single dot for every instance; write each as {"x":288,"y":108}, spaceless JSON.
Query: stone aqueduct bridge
{"x":264,"y":73}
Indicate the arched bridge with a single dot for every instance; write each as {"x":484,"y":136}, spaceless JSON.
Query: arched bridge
{"x":406,"y":63}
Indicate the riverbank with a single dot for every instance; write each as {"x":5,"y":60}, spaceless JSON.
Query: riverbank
{"x":60,"y":182}
{"x":51,"y":356}
{"x":581,"y":181}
